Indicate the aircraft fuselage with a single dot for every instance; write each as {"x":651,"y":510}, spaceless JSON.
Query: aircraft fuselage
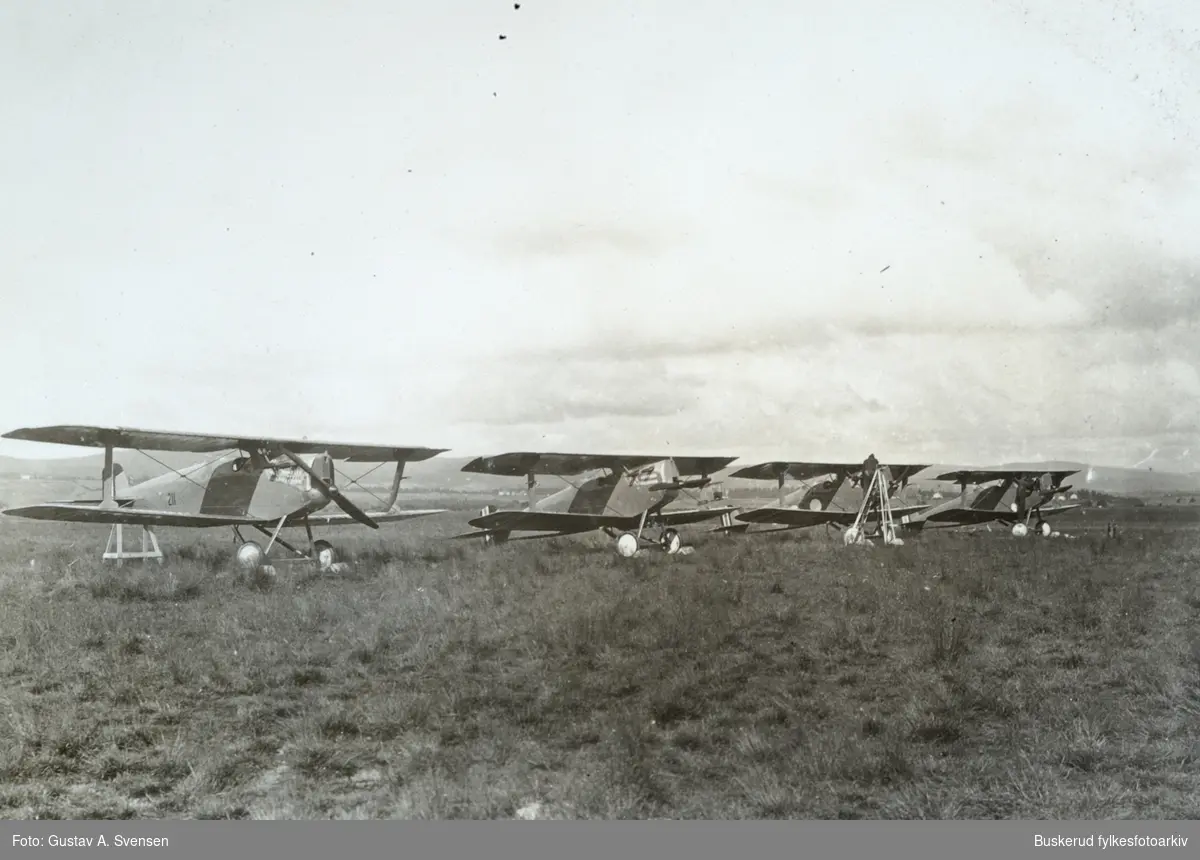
{"x":234,"y":485}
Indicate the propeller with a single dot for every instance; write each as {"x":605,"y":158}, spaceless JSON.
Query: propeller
{"x":331,"y":492}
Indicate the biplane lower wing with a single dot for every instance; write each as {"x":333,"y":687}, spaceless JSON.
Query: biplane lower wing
{"x":126,"y":516}
{"x":547,"y":521}
{"x":388,"y":517}
{"x":568,"y":523}
{"x":980,"y":516}
{"x":692,"y":515}
{"x":799,"y":517}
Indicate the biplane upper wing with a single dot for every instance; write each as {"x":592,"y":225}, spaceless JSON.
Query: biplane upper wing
{"x":516,"y":464}
{"x":801,"y":471}
{"x":797,"y":471}
{"x":201,"y":443}
{"x":71,"y":513}
{"x":804,"y":517}
{"x":905,"y":471}
{"x":983,"y":476}
{"x":700,"y":465}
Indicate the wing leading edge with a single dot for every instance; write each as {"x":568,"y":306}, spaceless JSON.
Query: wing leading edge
{"x":200,"y":443}
{"x":70,"y":513}
{"x":568,"y":523}
{"x":518,"y":464}
{"x":802,"y":517}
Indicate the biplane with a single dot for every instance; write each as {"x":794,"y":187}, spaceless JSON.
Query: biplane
{"x":827,"y":495}
{"x":257,"y":482}
{"x":1012,"y":497}
{"x":626,"y":501}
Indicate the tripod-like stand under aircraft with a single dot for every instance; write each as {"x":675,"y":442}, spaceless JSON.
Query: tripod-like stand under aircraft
{"x":625,"y":502}
{"x":259,"y":482}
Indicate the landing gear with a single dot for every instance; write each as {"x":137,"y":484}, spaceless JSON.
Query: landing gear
{"x":1041,"y":527}
{"x":252,"y":556}
{"x":325,"y":554}
{"x":629,"y":543}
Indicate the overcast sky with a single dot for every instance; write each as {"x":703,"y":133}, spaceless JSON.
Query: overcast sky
{"x":960,"y":230}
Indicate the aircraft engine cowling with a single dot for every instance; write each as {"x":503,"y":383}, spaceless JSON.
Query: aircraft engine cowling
{"x":322,"y":464}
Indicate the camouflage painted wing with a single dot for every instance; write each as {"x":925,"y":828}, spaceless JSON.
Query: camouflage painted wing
{"x":517,"y":464}
{"x":799,"y":517}
{"x":201,"y":443}
{"x":692,"y":515}
{"x":548,"y":521}
{"x":126,"y":516}
{"x":983,"y":476}
{"x":978,"y":516}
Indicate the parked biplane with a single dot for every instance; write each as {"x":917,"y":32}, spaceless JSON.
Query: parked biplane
{"x":1014,"y":497}
{"x":624,"y":502}
{"x":831,"y":494}
{"x":260,"y":482}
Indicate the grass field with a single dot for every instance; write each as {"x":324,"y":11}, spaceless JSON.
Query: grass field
{"x":959,"y":676}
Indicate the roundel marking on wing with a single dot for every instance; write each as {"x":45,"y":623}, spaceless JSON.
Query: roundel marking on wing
{"x":814,"y":505}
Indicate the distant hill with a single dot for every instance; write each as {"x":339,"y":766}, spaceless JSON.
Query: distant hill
{"x":445,"y":473}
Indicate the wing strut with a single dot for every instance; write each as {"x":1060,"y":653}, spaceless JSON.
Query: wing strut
{"x":109,"y":480}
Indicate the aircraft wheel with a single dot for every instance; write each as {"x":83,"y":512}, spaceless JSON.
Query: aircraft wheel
{"x":627,"y":545}
{"x":1043,"y":528}
{"x":671,"y":542}
{"x":325,"y":554}
{"x":250,"y":556}
{"x":1020,"y":530}
{"x":850,"y":536}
